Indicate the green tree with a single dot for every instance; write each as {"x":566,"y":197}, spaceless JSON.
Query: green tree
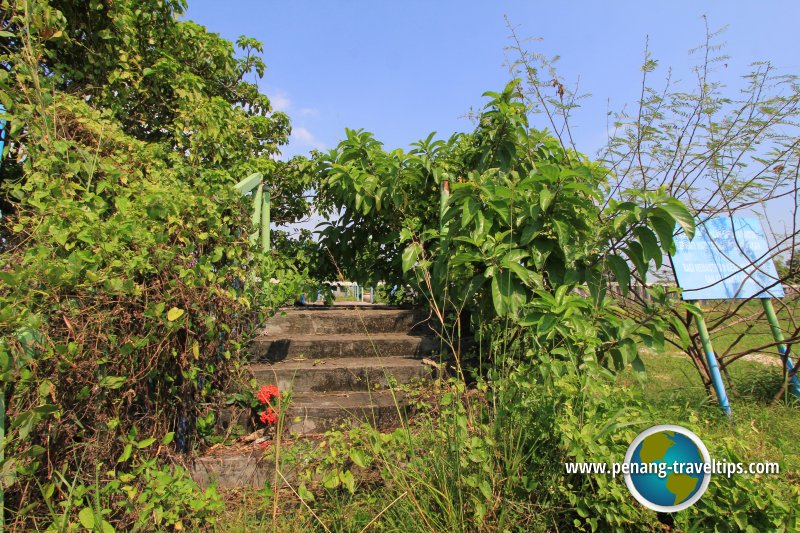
{"x":165,"y":81}
{"x":371,"y":195}
{"x":524,"y":227}
{"x":721,"y":150}
{"x":127,"y":284}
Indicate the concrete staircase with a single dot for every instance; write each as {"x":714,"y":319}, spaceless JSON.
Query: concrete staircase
{"x":340,"y":364}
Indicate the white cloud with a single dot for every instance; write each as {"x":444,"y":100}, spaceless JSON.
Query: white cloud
{"x":280,"y":101}
{"x":301,"y":138}
{"x":308,"y":112}
{"x":304,"y":137}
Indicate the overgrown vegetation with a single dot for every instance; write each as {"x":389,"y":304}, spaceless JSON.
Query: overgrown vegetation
{"x":127,"y":285}
{"x":528,"y":243}
{"x":722,"y":150}
{"x":128,"y":290}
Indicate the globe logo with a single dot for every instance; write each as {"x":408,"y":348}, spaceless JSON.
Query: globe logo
{"x":667,"y":468}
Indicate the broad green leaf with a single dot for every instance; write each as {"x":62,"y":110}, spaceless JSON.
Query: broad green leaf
{"x":86,"y":517}
{"x":529,"y":232}
{"x":158,"y":308}
{"x":560,"y":293}
{"x":528,"y":277}
{"x":565,"y":237}
{"x":126,"y":453}
{"x":650,"y":245}
{"x":507,"y":294}
{"x":546,"y":324}
{"x":486,"y":489}
{"x":693,"y":309}
{"x":46,"y":409}
{"x":112,"y":382}
{"x":502,"y":208}
{"x":348,"y":480}
{"x":681,"y":214}
{"x":468,"y":210}
{"x":410,"y":256}
{"x":145,"y":443}
{"x":330,"y":480}
{"x":498,"y":298}
{"x":482,"y":226}
{"x":305,"y":494}
{"x":621,"y":270}
{"x":359,"y":458}
{"x":635,"y":253}
{"x":545,"y":199}
{"x":174,"y":314}
{"x":665,"y":229}
{"x":680,"y":329}
{"x":8,"y":473}
{"x":597,"y":286}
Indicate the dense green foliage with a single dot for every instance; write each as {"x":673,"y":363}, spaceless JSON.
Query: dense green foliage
{"x":722,"y":141}
{"x":789,"y":269}
{"x":376,"y":194}
{"x":529,"y":241}
{"x":128,"y":289}
{"x":492,"y":458}
{"x":527,"y":224}
{"x":127,"y":285}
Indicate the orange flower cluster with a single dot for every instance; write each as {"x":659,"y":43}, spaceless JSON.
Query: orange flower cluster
{"x":265,"y":394}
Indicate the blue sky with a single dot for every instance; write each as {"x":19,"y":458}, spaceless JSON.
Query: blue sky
{"x":404,"y":69}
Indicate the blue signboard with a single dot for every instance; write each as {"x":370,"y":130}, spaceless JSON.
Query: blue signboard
{"x":728,"y":258}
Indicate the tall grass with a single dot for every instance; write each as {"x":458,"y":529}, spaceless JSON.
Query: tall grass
{"x":485,"y":449}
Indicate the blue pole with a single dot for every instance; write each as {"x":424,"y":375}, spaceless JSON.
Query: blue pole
{"x":713,"y":366}
{"x":372,"y":295}
{"x":777,"y":334}
{"x":2,"y":132}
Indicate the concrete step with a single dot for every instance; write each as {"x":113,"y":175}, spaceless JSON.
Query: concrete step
{"x":313,"y":347}
{"x":337,"y":320}
{"x":234,"y":469}
{"x":253,"y":465}
{"x":318,"y":412}
{"x":342,"y":374}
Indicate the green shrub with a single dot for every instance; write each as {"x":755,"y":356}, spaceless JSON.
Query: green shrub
{"x":127,"y":283}
{"x":745,"y":502}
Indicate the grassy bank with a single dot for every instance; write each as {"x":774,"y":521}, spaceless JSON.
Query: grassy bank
{"x":412,"y":480}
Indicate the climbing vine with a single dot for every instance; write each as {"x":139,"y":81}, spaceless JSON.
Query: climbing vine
{"x":128,"y":286}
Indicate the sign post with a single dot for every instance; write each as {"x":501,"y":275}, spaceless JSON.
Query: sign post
{"x":777,"y":334}
{"x":2,"y":133}
{"x":727,"y":259}
{"x":713,"y":365}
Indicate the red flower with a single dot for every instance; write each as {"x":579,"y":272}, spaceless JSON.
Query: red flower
{"x":266,"y":393}
{"x":269,"y":417}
